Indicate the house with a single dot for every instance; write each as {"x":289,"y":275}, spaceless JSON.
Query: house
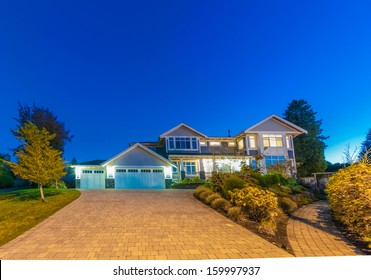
{"x":183,"y":152}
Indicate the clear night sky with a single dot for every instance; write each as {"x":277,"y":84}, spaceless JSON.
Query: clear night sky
{"x":125,"y":71}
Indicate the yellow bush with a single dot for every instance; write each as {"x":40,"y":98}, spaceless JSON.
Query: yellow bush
{"x":259,"y":204}
{"x":203,"y":196}
{"x":349,"y":194}
{"x":221,"y":204}
{"x":200,"y":190}
{"x":234,"y":212}
{"x":212,"y":197}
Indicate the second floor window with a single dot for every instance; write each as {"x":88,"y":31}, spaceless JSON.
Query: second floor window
{"x":272,"y":140}
{"x":183,"y":143}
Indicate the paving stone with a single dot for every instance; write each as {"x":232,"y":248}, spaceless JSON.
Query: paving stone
{"x":311,"y":232}
{"x":138,"y":224}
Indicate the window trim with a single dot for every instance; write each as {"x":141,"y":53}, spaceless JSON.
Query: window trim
{"x":274,"y":159}
{"x":270,"y":140}
{"x":190,"y":164}
{"x":252,"y":140}
{"x":171,"y":141}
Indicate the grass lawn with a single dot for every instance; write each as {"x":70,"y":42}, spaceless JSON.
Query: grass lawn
{"x":22,"y":209}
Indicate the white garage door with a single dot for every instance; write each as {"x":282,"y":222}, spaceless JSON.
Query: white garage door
{"x":93,"y":179}
{"x":139,"y":178}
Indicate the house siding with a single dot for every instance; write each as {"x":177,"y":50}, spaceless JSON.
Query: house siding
{"x":272,"y":125}
{"x":137,"y":157}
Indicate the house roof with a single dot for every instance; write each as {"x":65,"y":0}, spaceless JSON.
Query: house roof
{"x":184,"y":125}
{"x":284,"y":122}
{"x":138,"y":146}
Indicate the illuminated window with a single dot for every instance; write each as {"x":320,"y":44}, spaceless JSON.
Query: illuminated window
{"x":288,"y":141}
{"x":272,"y":140}
{"x":215,"y":144}
{"x":252,"y":141}
{"x":270,"y":160}
{"x":240,"y":144}
{"x":231,"y":144}
{"x":182,"y":143}
{"x":202,"y":143}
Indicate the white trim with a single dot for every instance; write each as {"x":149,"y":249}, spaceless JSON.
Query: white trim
{"x":283,"y":121}
{"x":138,"y":145}
{"x":180,"y":125}
{"x":184,"y":137}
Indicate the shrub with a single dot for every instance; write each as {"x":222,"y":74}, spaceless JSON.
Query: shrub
{"x":303,"y":198}
{"x":287,"y":205}
{"x":59,"y":185}
{"x":297,"y":189}
{"x":222,"y":182}
{"x":268,"y":226}
{"x":200,"y":190}
{"x":6,"y":180}
{"x":221,"y":203}
{"x":272,"y":179}
{"x":281,"y":191}
{"x":234,"y":212}
{"x":349,"y":194}
{"x":232,"y":183}
{"x":212,"y":197}
{"x":259,"y":204}
{"x":188,"y":181}
{"x":205,"y":194}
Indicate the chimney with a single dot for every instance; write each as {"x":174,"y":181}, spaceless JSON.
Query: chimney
{"x":229,"y":133}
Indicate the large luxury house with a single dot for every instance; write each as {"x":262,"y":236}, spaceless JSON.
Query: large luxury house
{"x":183,"y":152}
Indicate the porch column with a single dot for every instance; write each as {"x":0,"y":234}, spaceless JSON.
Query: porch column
{"x":202,"y":170}
{"x":181,"y":167}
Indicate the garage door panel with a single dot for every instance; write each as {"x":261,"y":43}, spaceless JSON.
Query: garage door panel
{"x":139,"y":178}
{"x":92,"y":179}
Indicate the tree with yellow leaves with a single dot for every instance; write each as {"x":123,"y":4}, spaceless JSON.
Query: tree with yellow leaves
{"x":38,"y":161}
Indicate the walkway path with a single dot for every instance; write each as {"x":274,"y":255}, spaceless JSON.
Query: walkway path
{"x":162,"y":224}
{"x":311,"y":232}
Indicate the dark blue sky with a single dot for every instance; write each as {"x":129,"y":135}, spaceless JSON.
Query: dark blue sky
{"x":125,"y":71}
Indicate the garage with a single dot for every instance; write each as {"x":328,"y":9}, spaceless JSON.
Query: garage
{"x":139,"y":178}
{"x":135,"y":168}
{"x":92,"y":179}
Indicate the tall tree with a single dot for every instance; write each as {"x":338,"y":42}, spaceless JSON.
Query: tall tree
{"x":309,"y":148}
{"x":43,"y":118}
{"x":366,"y":146}
{"x":38,"y":161}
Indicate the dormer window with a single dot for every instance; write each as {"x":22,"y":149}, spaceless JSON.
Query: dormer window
{"x":182,"y":143}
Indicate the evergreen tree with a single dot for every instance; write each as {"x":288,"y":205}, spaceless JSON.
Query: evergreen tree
{"x":309,"y":148}
{"x":366,"y":146}
{"x":38,"y":162}
{"x":43,"y":118}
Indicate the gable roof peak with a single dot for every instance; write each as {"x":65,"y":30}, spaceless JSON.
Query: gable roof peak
{"x":182,"y":125}
{"x":282,"y":121}
{"x":135,"y":146}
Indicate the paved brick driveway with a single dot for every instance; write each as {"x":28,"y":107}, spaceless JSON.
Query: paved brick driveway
{"x":311,"y":232}
{"x":162,"y":224}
